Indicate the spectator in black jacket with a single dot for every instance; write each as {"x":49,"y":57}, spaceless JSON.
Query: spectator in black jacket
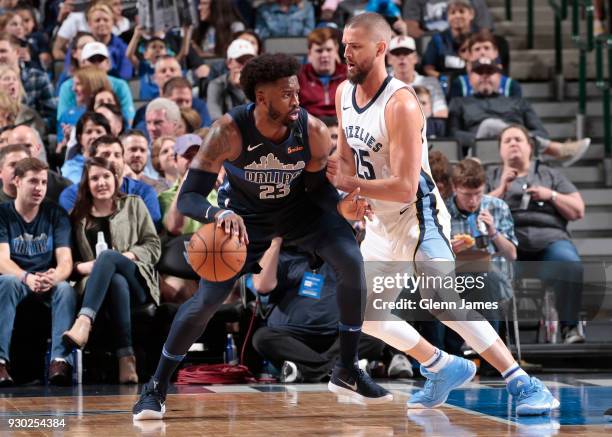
{"x":486,"y":113}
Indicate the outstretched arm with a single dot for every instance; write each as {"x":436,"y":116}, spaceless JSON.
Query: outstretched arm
{"x":404,"y":121}
{"x":222,"y":143}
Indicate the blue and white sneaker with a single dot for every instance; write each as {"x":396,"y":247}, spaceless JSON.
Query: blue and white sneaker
{"x":457,"y":372}
{"x":151,"y":405}
{"x":532,"y":397}
{"x":357,"y":384}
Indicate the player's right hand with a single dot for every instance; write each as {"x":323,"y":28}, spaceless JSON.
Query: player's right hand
{"x":233,"y":224}
{"x":354,"y":207}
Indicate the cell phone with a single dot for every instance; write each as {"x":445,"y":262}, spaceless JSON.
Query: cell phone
{"x":526,"y":198}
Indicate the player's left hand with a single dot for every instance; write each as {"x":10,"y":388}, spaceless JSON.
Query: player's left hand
{"x":334,"y":173}
{"x":353,"y":207}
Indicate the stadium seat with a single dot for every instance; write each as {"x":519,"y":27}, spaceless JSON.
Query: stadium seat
{"x":487,"y":151}
{"x":448,"y":147}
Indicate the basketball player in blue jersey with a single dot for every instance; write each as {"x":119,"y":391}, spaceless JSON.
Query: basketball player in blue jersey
{"x":382,"y":150}
{"x":274,"y":154}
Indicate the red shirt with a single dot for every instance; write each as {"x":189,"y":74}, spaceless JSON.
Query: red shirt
{"x":317,"y":98}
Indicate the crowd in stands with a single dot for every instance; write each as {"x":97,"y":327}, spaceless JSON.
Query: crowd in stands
{"x":96,"y":151}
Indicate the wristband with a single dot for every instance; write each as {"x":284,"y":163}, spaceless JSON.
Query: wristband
{"x":224,"y":213}
{"x":24,"y":277}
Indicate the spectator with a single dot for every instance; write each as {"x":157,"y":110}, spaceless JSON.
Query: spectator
{"x":111,"y":149}
{"x":218,"y":21}
{"x":100,"y":21}
{"x":12,"y":23}
{"x":442,"y":53}
{"x":441,"y":173}
{"x":37,"y":40}
{"x":123,"y":276}
{"x":185,"y":148}
{"x":14,"y":111}
{"x":89,"y":127}
{"x":136,"y":148}
{"x":166,"y":68}
{"x":190,"y":122}
{"x":162,"y":118}
{"x":163,"y":159}
{"x":483,"y":46}
{"x":320,"y":77}
{"x":114,"y":117}
{"x":96,"y":54}
{"x":436,"y":127}
{"x":284,"y":18}
{"x":154,"y":49}
{"x":485,"y":114}
{"x":4,"y":132}
{"x":10,"y":155}
{"x":332,"y":127}
{"x":78,"y":22}
{"x":431,"y":16}
{"x":39,"y":93}
{"x":224,"y":92}
{"x":35,"y":259}
{"x":301,"y":332}
{"x":103,"y":97}
{"x":28,"y":137}
{"x":469,"y":198}
{"x":87,"y":82}
{"x":541,"y":224}
{"x":178,"y":89}
{"x":403,"y":59}
{"x":73,"y":57}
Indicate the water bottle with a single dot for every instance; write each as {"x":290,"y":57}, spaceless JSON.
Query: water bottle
{"x":478,"y":229}
{"x":231,"y":352}
{"x":101,"y":245}
{"x":77,"y":366}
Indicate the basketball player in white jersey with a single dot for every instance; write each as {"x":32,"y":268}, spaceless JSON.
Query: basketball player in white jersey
{"x":382,"y":149}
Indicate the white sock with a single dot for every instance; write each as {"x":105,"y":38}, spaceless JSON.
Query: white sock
{"x":514,"y":371}
{"x":437,"y":362}
{"x":2,"y":361}
{"x":60,"y":359}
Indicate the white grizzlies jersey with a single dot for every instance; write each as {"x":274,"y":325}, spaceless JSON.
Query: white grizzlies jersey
{"x":424,"y":223}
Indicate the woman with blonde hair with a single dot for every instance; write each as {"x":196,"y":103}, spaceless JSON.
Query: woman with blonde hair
{"x":88,"y":81}
{"x":13,"y":106}
{"x":163,"y":159}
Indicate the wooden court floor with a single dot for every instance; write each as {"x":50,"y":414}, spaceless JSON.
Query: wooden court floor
{"x":288,"y":413}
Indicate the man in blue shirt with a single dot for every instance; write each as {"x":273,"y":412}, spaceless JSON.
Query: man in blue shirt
{"x":111,"y":148}
{"x":35,"y":259}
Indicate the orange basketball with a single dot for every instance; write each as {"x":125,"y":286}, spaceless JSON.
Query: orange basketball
{"x":215,"y":255}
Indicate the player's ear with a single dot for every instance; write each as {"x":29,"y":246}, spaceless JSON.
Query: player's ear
{"x":381,"y":48}
{"x":260,"y":96}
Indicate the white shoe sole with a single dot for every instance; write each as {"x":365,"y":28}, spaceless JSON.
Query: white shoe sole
{"x":354,"y":395}
{"x":418,"y":405}
{"x":150,"y":414}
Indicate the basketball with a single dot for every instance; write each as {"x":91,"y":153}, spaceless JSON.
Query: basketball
{"x":215,"y":255}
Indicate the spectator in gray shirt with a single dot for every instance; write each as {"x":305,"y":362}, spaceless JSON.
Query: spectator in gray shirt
{"x":430,"y":15}
{"x":486,"y":113}
{"x":224,"y":92}
{"x":542,"y":202}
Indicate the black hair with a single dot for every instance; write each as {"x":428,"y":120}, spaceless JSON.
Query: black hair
{"x":95,"y":118}
{"x":266,"y":68}
{"x":153,"y":39}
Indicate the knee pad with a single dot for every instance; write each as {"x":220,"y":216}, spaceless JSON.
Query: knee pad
{"x":479,"y":335}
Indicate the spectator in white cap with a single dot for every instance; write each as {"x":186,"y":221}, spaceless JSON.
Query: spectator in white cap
{"x":96,"y":54}
{"x":224,"y":92}
{"x":403,"y":59}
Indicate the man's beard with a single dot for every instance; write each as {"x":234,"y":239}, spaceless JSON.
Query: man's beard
{"x":359,"y":75}
{"x":137,"y":167}
{"x":276,"y":116}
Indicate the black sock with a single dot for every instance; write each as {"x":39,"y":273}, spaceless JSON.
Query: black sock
{"x":166,"y":367}
{"x":349,"y":343}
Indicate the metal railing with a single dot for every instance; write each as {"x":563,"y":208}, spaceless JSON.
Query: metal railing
{"x":560,"y":10}
{"x":603,"y":44}
{"x":585,"y":44}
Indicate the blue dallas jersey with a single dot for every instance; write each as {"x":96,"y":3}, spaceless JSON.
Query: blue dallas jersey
{"x":266,"y":179}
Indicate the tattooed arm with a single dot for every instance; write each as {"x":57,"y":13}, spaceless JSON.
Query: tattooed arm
{"x":222,"y":143}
